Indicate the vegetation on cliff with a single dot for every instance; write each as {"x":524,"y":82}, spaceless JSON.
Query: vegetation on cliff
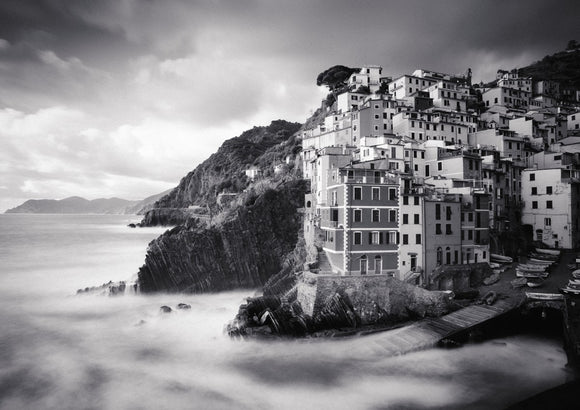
{"x":224,"y":170}
{"x":335,"y":77}
{"x":563,"y":67}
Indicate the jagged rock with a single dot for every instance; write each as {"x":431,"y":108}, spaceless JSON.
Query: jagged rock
{"x":106,"y":289}
{"x":165,"y":309}
{"x":243,"y":252}
{"x":183,"y":306}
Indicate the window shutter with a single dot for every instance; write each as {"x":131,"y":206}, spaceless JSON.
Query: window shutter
{"x":381,"y":237}
{"x":370,"y":237}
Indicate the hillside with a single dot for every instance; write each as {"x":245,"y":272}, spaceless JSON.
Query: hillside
{"x":563,"y":67}
{"x":78,"y":205}
{"x":224,"y":170}
{"x":74,"y":205}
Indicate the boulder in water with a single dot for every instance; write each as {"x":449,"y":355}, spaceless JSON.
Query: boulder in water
{"x":183,"y":306}
{"x":165,"y":309}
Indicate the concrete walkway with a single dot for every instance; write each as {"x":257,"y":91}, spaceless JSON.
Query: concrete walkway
{"x":428,"y":332}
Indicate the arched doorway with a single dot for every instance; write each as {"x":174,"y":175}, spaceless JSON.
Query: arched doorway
{"x":363,"y":265}
{"x":378,"y":265}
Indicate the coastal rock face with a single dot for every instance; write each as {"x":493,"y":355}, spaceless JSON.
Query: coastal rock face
{"x":166,"y":217}
{"x":243,"y":251}
{"x":322,"y":303}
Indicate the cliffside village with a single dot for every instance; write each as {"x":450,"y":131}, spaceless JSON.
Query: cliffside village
{"x":427,"y":170}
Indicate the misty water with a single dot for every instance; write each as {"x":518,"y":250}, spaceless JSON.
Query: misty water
{"x":61,"y":351}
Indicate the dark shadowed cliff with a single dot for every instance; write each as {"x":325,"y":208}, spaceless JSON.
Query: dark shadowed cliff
{"x":251,"y":243}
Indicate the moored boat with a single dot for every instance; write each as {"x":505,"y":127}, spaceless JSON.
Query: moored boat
{"x":535,"y":282}
{"x":543,"y":256}
{"x":576,"y":274}
{"x":540,"y":262}
{"x":527,"y":274}
{"x":544,"y":296}
{"x":572,"y":288}
{"x":500,"y":258}
{"x":532,"y":267}
{"x":548,"y":251}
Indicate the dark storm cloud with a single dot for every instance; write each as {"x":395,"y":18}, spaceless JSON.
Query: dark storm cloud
{"x":87,"y":84}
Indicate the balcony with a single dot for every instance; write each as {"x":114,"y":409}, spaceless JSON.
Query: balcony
{"x":328,"y":224}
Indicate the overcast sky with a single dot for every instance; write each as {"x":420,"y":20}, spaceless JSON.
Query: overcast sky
{"x":102,"y":98}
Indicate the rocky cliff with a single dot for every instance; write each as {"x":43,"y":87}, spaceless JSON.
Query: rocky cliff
{"x":243,"y":248}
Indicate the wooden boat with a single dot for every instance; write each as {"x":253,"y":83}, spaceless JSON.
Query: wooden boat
{"x":544,"y":296}
{"x":540,"y":262}
{"x":532,"y":268}
{"x":572,"y":288}
{"x":500,"y":258}
{"x":535,"y":282}
{"x":548,"y":251}
{"x":494,"y":265}
{"x":576,"y":274}
{"x":526,"y":274}
{"x":542,"y":256}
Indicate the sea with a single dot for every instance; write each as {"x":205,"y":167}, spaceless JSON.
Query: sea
{"x":60,"y":350}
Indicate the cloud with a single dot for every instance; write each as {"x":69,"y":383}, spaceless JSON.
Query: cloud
{"x":129,"y":95}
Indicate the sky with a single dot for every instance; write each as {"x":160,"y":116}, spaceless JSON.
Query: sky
{"x":103,"y":98}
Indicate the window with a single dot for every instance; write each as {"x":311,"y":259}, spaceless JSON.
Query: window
{"x":549,"y":204}
{"x":547,"y":221}
{"x":405,"y":239}
{"x":439,"y":166}
{"x":470,"y":235}
{"x":392,"y":237}
{"x":334,"y":215}
{"x":448,"y":229}
{"x":534,"y":204}
{"x":532,"y":177}
{"x":416,"y":219}
{"x":375,"y":238}
{"x":437,"y":211}
{"x":357,"y":193}
{"x":405,"y":200}
{"x":357,"y":238}
{"x":405,"y":219}
{"x":416,"y":200}
{"x":470,"y":217}
{"x":392,"y":194}
{"x":438,"y":230}
{"x":357,"y":215}
{"x":534,"y":191}
{"x":448,"y":216}
{"x":375,"y":215}
{"x":549,"y":190}
{"x":393,"y":215}
{"x":376,"y":193}
{"x":439,"y":256}
{"x":418,"y":239}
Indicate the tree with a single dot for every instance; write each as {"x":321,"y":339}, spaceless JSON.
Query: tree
{"x":572,"y":45}
{"x":335,"y":77}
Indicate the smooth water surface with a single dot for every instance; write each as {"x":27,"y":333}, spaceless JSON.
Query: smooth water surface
{"x":61,"y":351}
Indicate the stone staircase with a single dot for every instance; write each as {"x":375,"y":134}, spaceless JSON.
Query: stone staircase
{"x":323,"y":262}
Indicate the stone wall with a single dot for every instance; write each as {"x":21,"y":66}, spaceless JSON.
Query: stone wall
{"x":374,"y":298}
